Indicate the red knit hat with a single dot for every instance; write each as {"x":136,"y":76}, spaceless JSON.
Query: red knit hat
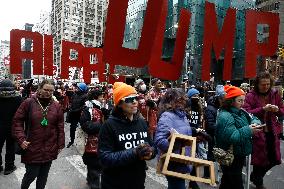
{"x":232,"y":91}
{"x":121,"y":90}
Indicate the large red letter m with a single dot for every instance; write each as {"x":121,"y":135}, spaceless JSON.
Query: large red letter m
{"x":218,"y":40}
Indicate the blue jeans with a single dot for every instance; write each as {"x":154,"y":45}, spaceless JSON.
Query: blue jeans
{"x":175,"y":183}
{"x":201,"y":152}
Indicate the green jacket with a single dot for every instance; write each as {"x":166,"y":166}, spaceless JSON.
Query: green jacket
{"x":232,"y":128}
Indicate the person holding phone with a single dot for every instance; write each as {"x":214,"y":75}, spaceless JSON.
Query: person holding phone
{"x":265,"y":103}
{"x":235,"y":128}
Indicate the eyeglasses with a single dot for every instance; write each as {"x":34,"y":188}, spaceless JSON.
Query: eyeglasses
{"x":47,"y":90}
{"x":130,"y":99}
{"x":240,"y":101}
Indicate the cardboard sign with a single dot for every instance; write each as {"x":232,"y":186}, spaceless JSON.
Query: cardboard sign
{"x":149,"y":51}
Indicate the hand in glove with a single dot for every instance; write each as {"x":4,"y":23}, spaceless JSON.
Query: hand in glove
{"x":144,"y":151}
{"x":151,"y":103}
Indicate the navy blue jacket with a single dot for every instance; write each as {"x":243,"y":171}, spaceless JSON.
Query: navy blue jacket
{"x":77,"y":105}
{"x":118,"y":138}
{"x":210,"y":115}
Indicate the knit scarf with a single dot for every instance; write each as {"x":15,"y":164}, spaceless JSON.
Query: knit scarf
{"x":9,"y":94}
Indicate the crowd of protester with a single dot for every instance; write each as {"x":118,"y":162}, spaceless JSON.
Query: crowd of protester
{"x":125,"y":126}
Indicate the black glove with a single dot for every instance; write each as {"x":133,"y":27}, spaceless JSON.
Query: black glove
{"x":203,"y":136}
{"x":143,"y":150}
{"x":150,"y":103}
{"x":106,"y":112}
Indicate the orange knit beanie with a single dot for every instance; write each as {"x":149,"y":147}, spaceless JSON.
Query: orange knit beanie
{"x":232,"y":91}
{"x":121,"y":90}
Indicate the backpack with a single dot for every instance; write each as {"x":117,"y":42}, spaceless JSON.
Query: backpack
{"x":91,"y":141}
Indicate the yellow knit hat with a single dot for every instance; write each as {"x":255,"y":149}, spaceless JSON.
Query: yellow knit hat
{"x":121,"y":90}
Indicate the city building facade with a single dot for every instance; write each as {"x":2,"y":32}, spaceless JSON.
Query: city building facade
{"x":43,"y":26}
{"x":4,"y":58}
{"x":195,"y":40}
{"x":194,"y":48}
{"x":80,"y":21}
{"x":27,"y":63}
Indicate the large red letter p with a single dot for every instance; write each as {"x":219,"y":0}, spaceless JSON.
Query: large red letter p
{"x":253,"y":48}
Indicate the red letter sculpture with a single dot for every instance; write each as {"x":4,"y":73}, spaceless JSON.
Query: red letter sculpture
{"x":17,"y":55}
{"x":48,"y":55}
{"x":66,"y":62}
{"x":218,"y":40}
{"x":98,"y":66}
{"x":170,"y":70}
{"x":114,"y":53}
{"x":253,"y":48}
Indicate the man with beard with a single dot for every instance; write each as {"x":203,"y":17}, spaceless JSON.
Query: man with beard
{"x":10,"y":101}
{"x":265,"y":103}
{"x":44,"y":138}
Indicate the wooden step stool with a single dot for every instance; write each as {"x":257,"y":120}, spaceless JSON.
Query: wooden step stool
{"x":165,"y":159}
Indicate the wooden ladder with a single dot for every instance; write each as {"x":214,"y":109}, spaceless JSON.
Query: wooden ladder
{"x":166,"y":158}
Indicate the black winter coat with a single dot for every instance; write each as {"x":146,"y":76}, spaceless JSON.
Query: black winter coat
{"x":90,"y":128}
{"x":118,"y":139}
{"x":8,"y":108}
{"x":210,"y":114}
{"x":78,"y":102}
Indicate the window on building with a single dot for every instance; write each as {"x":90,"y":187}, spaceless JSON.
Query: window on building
{"x":277,"y":6}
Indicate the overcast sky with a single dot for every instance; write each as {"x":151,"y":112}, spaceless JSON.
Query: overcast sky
{"x":15,"y":13}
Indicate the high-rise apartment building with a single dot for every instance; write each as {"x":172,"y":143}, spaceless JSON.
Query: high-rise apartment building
{"x":43,"y":26}
{"x":80,"y":21}
{"x":4,"y":57}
